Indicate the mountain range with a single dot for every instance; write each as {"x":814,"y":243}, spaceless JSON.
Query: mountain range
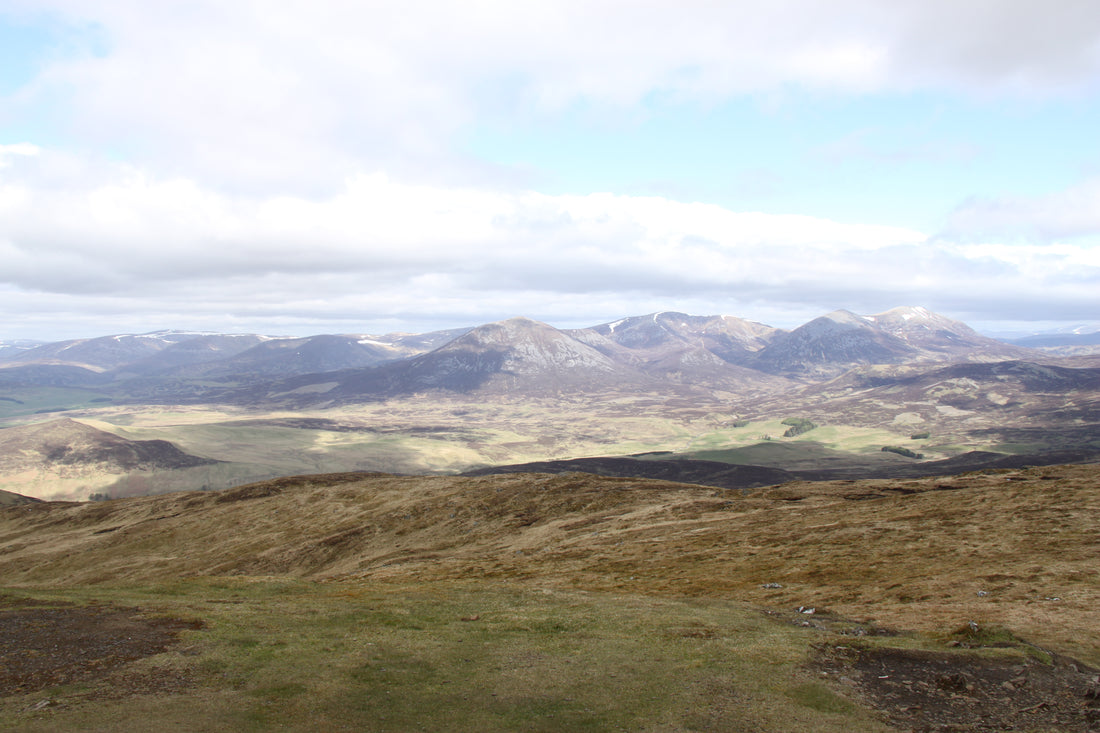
{"x":901,"y":393}
{"x":513,"y":489}
{"x":666,"y":348}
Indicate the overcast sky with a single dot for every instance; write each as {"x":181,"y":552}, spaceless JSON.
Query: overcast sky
{"x":296,"y":167}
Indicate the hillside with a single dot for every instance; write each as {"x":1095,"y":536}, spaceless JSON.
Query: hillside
{"x":67,"y":442}
{"x":658,"y":335}
{"x":777,"y":463}
{"x":841,"y":340}
{"x":936,"y":334}
{"x":9,"y":498}
{"x":52,"y":458}
{"x":516,"y":354}
{"x":566,"y":602}
{"x":1012,"y":406}
{"x":841,"y":545}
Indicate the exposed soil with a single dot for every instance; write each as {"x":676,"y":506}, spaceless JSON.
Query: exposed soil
{"x":48,"y":644}
{"x":925,"y":691}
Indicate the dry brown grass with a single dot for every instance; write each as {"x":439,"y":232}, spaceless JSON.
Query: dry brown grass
{"x":1018,"y":549}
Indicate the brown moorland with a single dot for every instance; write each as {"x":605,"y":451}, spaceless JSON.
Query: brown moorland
{"x":992,"y":563}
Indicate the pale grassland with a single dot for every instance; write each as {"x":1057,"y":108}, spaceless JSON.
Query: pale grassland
{"x":467,"y":434}
{"x":845,"y":438}
{"x":462,"y":434}
{"x":448,"y":435}
{"x":57,"y":488}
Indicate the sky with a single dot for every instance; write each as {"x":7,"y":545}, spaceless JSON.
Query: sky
{"x":338,"y":166}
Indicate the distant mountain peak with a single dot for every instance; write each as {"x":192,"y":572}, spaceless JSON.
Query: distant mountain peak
{"x":508,"y":332}
{"x":909,"y":317}
{"x":907,"y":312}
{"x":531,"y":347}
{"x":847,"y":318}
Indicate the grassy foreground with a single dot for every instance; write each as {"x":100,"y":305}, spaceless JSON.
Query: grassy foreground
{"x":569,"y":602}
{"x":279,"y":654}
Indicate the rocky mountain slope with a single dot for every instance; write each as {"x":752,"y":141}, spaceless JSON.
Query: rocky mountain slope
{"x":516,"y":355}
{"x":706,"y":353}
{"x":653,"y":337}
{"x":841,"y":340}
{"x":937,"y":334}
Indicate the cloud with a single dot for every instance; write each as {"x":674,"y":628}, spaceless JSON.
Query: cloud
{"x":1068,"y":214}
{"x":381,"y":251}
{"x":19,"y":149}
{"x":8,"y":152}
{"x":298,"y":163}
{"x":871,"y":144}
{"x":1009,"y":45}
{"x":299,"y":95}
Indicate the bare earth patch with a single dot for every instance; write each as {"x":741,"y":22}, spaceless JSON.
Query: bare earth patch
{"x":921,"y":690}
{"x":50,"y":644}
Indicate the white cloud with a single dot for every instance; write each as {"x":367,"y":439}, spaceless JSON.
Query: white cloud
{"x":381,"y":250}
{"x":18,"y":149}
{"x":299,"y":95}
{"x":292,"y":162}
{"x":7,"y":152}
{"x":1068,"y":214}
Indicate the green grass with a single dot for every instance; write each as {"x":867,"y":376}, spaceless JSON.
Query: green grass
{"x":300,"y":656}
{"x":782,"y":453}
{"x":44,"y":401}
{"x":996,"y":638}
{"x":1019,"y":448}
{"x":817,"y":696}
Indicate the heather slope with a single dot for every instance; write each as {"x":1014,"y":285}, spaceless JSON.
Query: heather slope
{"x":923,"y":554}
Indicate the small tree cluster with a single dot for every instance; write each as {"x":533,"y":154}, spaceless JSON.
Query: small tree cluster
{"x":902,"y":451}
{"x":798,"y":425}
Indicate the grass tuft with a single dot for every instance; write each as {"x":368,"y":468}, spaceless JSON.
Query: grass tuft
{"x":817,"y":696}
